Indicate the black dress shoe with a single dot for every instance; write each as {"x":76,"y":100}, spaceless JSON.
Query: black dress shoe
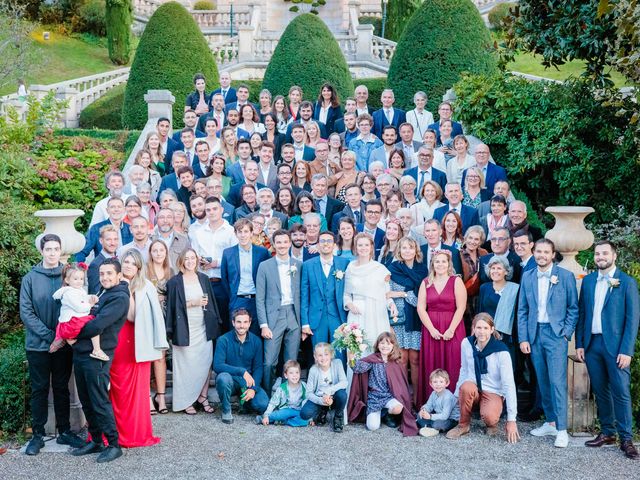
{"x":35,"y":444}
{"x":71,"y":439}
{"x":321,"y":418}
{"x":89,"y":448}
{"x":629,"y":449}
{"x":390,"y":421}
{"x":601,"y":440}
{"x":338,"y":422}
{"x":110,"y":453}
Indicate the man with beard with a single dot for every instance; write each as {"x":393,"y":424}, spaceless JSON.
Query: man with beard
{"x":199,"y":216}
{"x":141,"y":241}
{"x":298,"y":240}
{"x":266,"y":200}
{"x":176,"y":242}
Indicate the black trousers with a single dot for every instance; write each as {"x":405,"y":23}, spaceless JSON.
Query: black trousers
{"x":222,"y":301}
{"x":92,"y":379}
{"x":50,"y":369}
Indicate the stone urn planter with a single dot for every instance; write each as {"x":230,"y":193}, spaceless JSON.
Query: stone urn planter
{"x":570,"y":235}
{"x":61,"y":223}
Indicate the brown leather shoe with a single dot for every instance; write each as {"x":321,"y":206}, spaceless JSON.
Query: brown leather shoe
{"x":458,"y":431}
{"x":629,"y":449}
{"x":601,"y":440}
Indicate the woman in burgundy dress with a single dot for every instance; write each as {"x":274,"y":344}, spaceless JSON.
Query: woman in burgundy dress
{"x":141,"y":341}
{"x":442,"y":300}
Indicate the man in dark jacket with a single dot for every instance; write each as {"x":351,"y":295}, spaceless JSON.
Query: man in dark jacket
{"x":39,"y":313}
{"x":92,"y":375}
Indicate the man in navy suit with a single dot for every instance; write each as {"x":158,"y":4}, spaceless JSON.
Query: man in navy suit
{"x":242,"y":95}
{"x":109,"y":243}
{"x":547,"y":316}
{"x":354,"y":209}
{"x":250,"y":177}
{"x":523,"y":246}
{"x":170,"y":181}
{"x":372,"y":214}
{"x":387,"y":115}
{"x":301,"y":151}
{"x":445,"y":111}
{"x":168,"y":144}
{"x":321,"y":292}
{"x":200,"y":164}
{"x":306,"y":116}
{"x":216,"y":112}
{"x":226,"y":90}
{"x":349,"y":107}
{"x":605,"y":338}
{"x":432,"y":231}
{"x":500,"y":246}
{"x":190,"y":120}
{"x":492,"y":173}
{"x":453,"y":193}
{"x":425,"y":171}
{"x":324,"y":204}
{"x":239,"y":269}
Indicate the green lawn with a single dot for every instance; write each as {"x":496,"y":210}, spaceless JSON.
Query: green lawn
{"x":62,"y":58}
{"x":532,"y":64}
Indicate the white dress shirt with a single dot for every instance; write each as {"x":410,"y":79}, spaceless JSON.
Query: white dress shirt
{"x":602,"y":286}
{"x":430,"y":251}
{"x":100,"y":211}
{"x":326,"y":267}
{"x":323,"y":114}
{"x":544,"y":284}
{"x":284,"y":272}
{"x":211,"y":243}
{"x":246,"y":285}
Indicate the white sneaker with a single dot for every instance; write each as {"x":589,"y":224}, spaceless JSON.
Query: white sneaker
{"x":562,"y":439}
{"x":544,"y":430}
{"x":428,"y":432}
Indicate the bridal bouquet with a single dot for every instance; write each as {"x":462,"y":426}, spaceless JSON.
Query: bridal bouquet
{"x":350,"y":337}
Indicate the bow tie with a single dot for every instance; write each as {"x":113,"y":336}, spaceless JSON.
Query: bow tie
{"x":546,"y":274}
{"x":603,"y":277}
{"x":281,"y":263}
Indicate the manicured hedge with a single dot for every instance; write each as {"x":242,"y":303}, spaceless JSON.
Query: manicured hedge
{"x":442,"y":39}
{"x":172,"y":49}
{"x":308,"y":55}
{"x":14,"y":385}
{"x":105,"y":112}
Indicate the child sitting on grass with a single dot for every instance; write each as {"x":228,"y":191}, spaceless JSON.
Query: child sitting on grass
{"x":286,"y":402}
{"x":441,"y":412}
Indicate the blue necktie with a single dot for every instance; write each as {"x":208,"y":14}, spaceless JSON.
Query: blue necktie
{"x":546,"y":274}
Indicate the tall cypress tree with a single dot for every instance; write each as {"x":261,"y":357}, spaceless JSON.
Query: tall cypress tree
{"x":118,"y":18}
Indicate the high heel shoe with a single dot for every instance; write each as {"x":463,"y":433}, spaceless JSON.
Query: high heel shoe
{"x":162,"y":411}
{"x":204,"y":405}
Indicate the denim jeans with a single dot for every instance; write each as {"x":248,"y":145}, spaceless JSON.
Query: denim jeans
{"x":227,"y":385}
{"x":288,"y":416}
{"x":442,"y":425}
{"x":310,"y":409}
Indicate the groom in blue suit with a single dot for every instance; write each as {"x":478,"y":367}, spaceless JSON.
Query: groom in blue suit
{"x":605,"y":338}
{"x":547,"y":316}
{"x":321,"y":292}
{"x":239,"y":269}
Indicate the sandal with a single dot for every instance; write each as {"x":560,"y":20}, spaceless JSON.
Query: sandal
{"x":153,"y":410}
{"x":161,"y":411}
{"x":190,"y":410}
{"x":204,"y":405}
{"x":100,"y":355}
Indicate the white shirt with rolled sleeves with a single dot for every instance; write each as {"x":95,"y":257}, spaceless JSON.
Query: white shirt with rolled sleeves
{"x":211,"y":243}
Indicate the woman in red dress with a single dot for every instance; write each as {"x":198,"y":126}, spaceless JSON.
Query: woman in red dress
{"x":442,"y":300}
{"x":141,"y":341}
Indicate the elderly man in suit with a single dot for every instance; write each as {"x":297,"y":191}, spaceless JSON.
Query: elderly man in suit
{"x":388,"y":114}
{"x":321,"y":292}
{"x":547,"y":316}
{"x":227,"y":92}
{"x":605,"y":338}
{"x":239,"y":271}
{"x":176,"y":242}
{"x":453,"y":193}
{"x":425,"y":170}
{"x":432,"y":231}
{"x":501,"y":246}
{"x":492,"y":173}
{"x":278,"y":305}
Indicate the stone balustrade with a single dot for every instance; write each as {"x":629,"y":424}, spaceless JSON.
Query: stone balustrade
{"x":206,"y":19}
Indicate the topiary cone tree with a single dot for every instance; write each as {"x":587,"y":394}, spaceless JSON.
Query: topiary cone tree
{"x":442,"y":39}
{"x":172,"y":49}
{"x":308,"y":55}
{"x":118,"y":19}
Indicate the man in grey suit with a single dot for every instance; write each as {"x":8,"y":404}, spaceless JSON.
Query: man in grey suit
{"x":267,"y":170}
{"x":383,"y":153}
{"x":278,"y":305}
{"x":547,"y":317}
{"x":408,"y":145}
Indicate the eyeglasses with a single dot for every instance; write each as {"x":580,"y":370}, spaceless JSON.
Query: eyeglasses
{"x":384,"y":184}
{"x":325,"y":241}
{"x":371,"y":212}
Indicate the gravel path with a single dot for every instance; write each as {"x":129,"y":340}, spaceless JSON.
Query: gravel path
{"x":203,"y":447}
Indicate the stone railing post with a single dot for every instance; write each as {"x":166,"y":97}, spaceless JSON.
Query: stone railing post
{"x":39,"y":91}
{"x":363,"y":43}
{"x":159,"y":104}
{"x":71,"y":114}
{"x":245,"y":42}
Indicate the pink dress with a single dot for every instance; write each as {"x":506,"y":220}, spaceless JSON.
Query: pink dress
{"x":443,"y":354}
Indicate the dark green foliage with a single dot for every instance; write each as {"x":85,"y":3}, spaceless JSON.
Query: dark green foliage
{"x":172,"y":49}
{"x":90,"y":17}
{"x":118,"y":18}
{"x":14,"y":385}
{"x":19,"y":254}
{"x":398,"y":14}
{"x":307,"y":55}
{"x":562,"y":30}
{"x":105,"y":112}
{"x":375,"y":21}
{"x":498,"y":14}
{"x":254,"y":88}
{"x":375,"y":86}
{"x":562,"y":144}
{"x":442,"y":39}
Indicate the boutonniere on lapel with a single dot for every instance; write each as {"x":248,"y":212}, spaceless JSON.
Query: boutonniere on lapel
{"x":554,"y":280}
{"x":338,"y":274}
{"x":292,"y":270}
{"x":613,"y":283}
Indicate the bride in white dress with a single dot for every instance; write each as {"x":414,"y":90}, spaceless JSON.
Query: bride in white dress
{"x":365,"y":291}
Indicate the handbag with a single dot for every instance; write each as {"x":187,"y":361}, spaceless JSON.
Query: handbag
{"x":473,"y":285}
{"x":397,"y":321}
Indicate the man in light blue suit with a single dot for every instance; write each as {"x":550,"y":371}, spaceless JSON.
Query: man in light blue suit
{"x":239,"y":269}
{"x":321,"y":292}
{"x":547,"y":316}
{"x":605,"y":338}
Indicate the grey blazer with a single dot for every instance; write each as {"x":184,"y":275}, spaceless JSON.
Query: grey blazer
{"x":268,"y":291}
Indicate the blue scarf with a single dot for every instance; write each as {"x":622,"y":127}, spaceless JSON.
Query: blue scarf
{"x":480,"y":356}
{"x":410,"y":279}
